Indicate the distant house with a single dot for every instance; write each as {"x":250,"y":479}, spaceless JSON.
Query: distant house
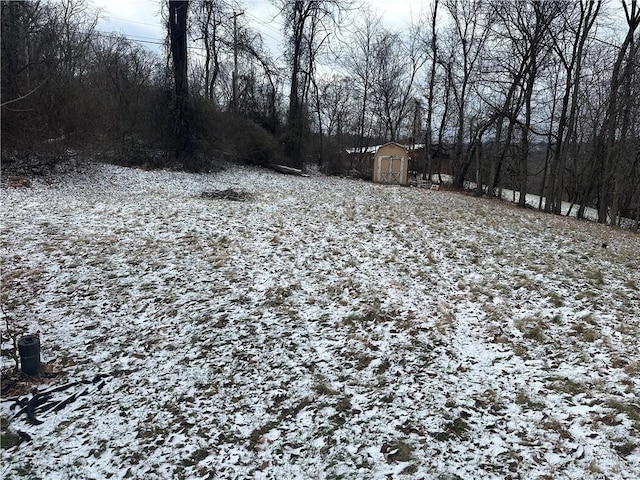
{"x":391,"y":164}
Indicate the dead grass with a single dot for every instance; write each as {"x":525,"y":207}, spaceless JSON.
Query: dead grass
{"x":567,"y":386}
{"x":397,"y":451}
{"x":328,"y":330}
{"x":525,"y":401}
{"x":596,"y":276}
{"x":631,"y":410}
{"x":558,"y":427}
{"x":532,"y":328}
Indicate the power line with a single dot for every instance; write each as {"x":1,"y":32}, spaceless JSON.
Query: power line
{"x":268,"y":35}
{"x":156,"y":41}
{"x":109,"y":18}
{"x":116,"y":36}
{"x":257,"y":20}
{"x":138,"y":39}
{"x":265,"y":25}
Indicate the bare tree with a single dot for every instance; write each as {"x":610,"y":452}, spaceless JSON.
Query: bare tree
{"x":616,"y":125}
{"x":210,"y":27}
{"x":433,"y":50}
{"x":308,"y":24}
{"x":397,"y":61}
{"x":46,"y":55}
{"x":122,"y":76}
{"x":177,"y":25}
{"x":569,"y":45}
{"x":471,"y":27}
{"x":333,"y":106}
{"x":357,"y":58}
{"x":522,"y":30}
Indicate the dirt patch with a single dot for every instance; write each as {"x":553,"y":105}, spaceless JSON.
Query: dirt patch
{"x":15,"y":383}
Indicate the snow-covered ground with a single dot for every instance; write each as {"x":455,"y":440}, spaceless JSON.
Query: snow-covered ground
{"x":322,"y":329}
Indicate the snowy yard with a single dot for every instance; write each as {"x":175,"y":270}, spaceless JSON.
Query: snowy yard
{"x":321,"y":329}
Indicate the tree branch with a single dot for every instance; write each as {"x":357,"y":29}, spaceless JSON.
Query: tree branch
{"x":25,"y":95}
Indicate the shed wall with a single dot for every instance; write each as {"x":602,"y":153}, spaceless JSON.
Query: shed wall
{"x":391,"y":164}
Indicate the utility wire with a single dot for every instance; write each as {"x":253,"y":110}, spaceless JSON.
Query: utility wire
{"x":109,"y":18}
{"x":264,"y":24}
{"x":116,"y":36}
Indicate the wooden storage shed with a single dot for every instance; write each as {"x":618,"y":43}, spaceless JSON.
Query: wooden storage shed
{"x":391,"y":164}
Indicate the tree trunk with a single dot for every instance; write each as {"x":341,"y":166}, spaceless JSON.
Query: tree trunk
{"x":428,"y":158}
{"x":608,"y":134}
{"x":178,"y":40}
{"x":478,"y":151}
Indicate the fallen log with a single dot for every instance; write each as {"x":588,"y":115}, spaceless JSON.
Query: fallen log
{"x":287,"y":170}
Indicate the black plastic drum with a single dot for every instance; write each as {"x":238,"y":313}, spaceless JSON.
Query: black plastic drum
{"x":29,"y":350}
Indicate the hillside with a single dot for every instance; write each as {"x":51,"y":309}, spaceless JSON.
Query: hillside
{"x":318,"y":328}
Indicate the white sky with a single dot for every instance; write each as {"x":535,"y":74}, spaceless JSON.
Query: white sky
{"x":140,"y":19}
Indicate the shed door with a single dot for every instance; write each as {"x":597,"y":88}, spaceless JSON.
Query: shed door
{"x":390,"y":169}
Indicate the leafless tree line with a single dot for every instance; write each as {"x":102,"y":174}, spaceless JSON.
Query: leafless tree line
{"x":539,"y":96}
{"x":65,"y":84}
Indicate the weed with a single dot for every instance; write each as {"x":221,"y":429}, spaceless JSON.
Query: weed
{"x":595,"y":276}
{"x":589,"y":318}
{"x":609,"y":419}
{"x":324,"y":388}
{"x":632,"y":368}
{"x":568,"y":386}
{"x":555,"y":300}
{"x":593,"y":467}
{"x":524,"y":400}
{"x":445,"y":320}
{"x":363,"y":361}
{"x":584,"y":295}
{"x":586,"y":334}
{"x":409,"y":469}
{"x":521,"y":351}
{"x":630,"y":410}
{"x":626,"y":448}
{"x":195,"y":458}
{"x":556,"y":426}
{"x":399,"y":451}
{"x":531,"y":328}
{"x":344,"y":405}
{"x":355,"y":319}
{"x":524,"y":283}
{"x":534,"y":333}
{"x":8,"y":440}
{"x":457,"y":429}
{"x":383,"y":367}
{"x":147,"y":433}
{"x":590,"y":335}
{"x":388,"y":398}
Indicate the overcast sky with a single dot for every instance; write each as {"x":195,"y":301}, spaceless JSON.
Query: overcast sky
{"x":140,"y":20}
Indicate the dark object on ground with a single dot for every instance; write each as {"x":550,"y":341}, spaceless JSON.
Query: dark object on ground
{"x":287,"y":170}
{"x":42,"y":402}
{"x":24,"y":437}
{"x":228,"y":194}
{"x":29,"y":350}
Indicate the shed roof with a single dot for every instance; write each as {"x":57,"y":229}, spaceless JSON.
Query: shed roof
{"x":404,"y":147}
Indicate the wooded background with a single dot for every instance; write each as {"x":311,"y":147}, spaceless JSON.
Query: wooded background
{"x":537,"y":96}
